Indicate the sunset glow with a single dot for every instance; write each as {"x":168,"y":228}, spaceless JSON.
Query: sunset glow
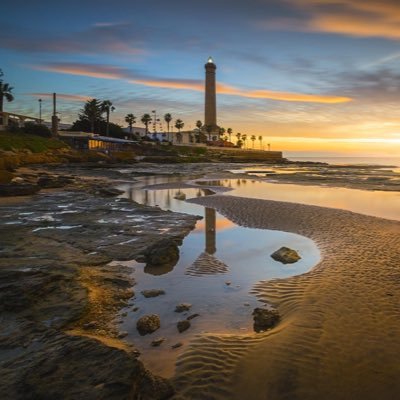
{"x":308,"y":75}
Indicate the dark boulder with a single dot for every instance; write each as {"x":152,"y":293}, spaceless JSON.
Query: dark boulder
{"x":183,"y":325}
{"x":148,"y":324}
{"x":265,"y":319}
{"x":286,"y":255}
{"x":164,"y":252}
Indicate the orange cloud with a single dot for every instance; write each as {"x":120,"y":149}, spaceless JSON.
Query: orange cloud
{"x":171,"y":84}
{"x":372,"y":18}
{"x":110,"y":72}
{"x":92,"y":71}
{"x":71,"y":97}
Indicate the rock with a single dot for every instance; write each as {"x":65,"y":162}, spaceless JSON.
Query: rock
{"x":109,"y":192}
{"x":176,"y":345}
{"x":190,"y":317}
{"x":183,"y":307}
{"x":265,"y":319}
{"x":134,"y":309}
{"x":152,"y":293}
{"x":122,"y":334}
{"x":183,"y":325}
{"x":163,"y":252}
{"x":17,"y":179}
{"x":180,"y":196}
{"x":18,"y":189}
{"x":148,"y":324}
{"x":51,"y":182}
{"x":157,"y":342}
{"x":228,"y":283}
{"x":286,"y":255}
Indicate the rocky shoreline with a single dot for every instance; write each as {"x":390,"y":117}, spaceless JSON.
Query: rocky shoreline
{"x":60,"y":295}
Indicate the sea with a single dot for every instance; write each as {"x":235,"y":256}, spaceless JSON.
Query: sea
{"x":388,"y":161}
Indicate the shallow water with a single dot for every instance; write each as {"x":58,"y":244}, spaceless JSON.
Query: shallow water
{"x":376,"y":203}
{"x":219,"y":264}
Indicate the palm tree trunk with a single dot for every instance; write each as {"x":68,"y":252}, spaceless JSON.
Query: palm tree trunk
{"x":108,"y":121}
{"x":1,"y":106}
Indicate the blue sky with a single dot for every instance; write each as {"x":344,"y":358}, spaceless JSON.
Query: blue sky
{"x":318,"y":75}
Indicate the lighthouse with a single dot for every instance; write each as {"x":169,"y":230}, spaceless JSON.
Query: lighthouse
{"x":210,"y":104}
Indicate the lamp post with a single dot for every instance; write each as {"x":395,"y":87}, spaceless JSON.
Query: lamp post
{"x":155,"y":120}
{"x":40,"y":110}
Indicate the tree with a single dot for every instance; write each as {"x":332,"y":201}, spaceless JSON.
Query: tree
{"x":199,"y":124}
{"x":107,"y":106}
{"x":229,"y":132}
{"x":253,"y":139}
{"x":260,"y":138}
{"x":92,"y":113}
{"x":146,"y":119}
{"x":5,"y":93}
{"x":179,"y":125}
{"x":244,"y":138}
{"x":168,"y":119}
{"x":239,"y":135}
{"x":130,"y":119}
{"x":221,"y":131}
{"x":209,"y":129}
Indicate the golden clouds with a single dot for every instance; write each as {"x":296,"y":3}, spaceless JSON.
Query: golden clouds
{"x":372,"y":18}
{"x":111,"y":72}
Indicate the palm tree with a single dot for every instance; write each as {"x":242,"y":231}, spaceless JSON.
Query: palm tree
{"x":130,"y":119}
{"x":179,"y":125}
{"x":221,"y":131}
{"x":168,"y":119}
{"x":107,"y":106}
{"x":244,"y":138}
{"x":238,"y":135}
{"x":253,"y":139}
{"x":229,"y":132}
{"x":5,"y":93}
{"x":146,"y":119}
{"x":260,"y":138}
{"x":209,"y":129}
{"x":198,"y":134}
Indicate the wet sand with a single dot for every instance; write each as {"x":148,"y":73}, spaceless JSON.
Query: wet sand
{"x":338,"y":338}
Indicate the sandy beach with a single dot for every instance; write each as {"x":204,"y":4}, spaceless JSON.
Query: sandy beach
{"x":338,"y":338}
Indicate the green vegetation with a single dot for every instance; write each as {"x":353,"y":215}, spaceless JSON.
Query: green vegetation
{"x":20,"y":141}
{"x":5,"y":92}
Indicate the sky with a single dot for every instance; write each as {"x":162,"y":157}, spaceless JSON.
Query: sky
{"x":312,"y":77}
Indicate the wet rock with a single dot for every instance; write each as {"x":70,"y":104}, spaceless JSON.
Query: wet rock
{"x":109,"y":192}
{"x":18,"y":189}
{"x":163,"y":252}
{"x":152,"y":293}
{"x":122,"y":334}
{"x":265,"y":319}
{"x":157,"y":342}
{"x":177,"y":345}
{"x":183,"y":307}
{"x":286,"y":255}
{"x":183,"y":325}
{"x":148,"y":324}
{"x":190,"y":317}
{"x":50,"y":181}
{"x":228,"y":283}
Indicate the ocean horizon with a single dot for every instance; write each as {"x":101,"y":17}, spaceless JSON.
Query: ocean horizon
{"x":345,"y":160}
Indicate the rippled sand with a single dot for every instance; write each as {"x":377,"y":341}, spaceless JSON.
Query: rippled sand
{"x":339,"y":335}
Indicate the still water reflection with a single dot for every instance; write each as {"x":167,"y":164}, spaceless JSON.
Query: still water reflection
{"x":219,"y":264}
